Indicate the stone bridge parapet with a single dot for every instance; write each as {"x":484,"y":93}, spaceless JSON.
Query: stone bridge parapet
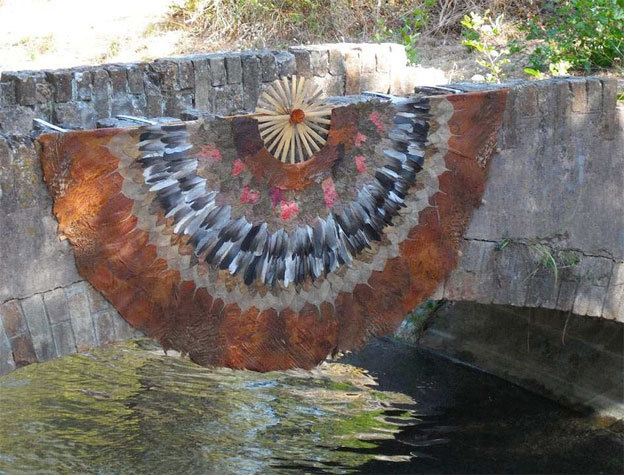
{"x":549,"y":234}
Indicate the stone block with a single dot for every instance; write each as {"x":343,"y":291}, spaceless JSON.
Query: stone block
{"x":252,"y":75}
{"x":218,"y":71}
{"x":7,"y":94}
{"x":614,"y":302}
{"x":178,"y":102}
{"x":64,"y":341}
{"x":118,"y":80}
{"x":154,"y":100}
{"x":123,"y":330}
{"x":375,"y":82}
{"x":39,"y":327}
{"x":383,"y":59}
{"x":567,"y":294}
{"x":16,"y":120}
{"x":13,"y":319}
{"x":578,"y":89}
{"x":82,"y":325}
{"x":473,"y":278}
{"x":76,"y":114}
{"x":102,"y":91}
{"x":166,"y":72}
{"x":83,"y":81}
{"x":97,"y":302}
{"x":368,"y":59}
{"x":6,"y":353}
{"x":135,"y":79}
{"x":330,"y":85}
{"x":594,"y":94}
{"x":526,"y":101}
{"x":512,"y":268}
{"x":336,"y":62}
{"x":594,"y":275}
{"x":234,"y":69}
{"x":56,"y":306}
{"x":62,"y":82}
{"x":302,"y":62}
{"x":204,"y":94}
{"x":23,"y":350}
{"x":352,"y":72}
{"x":319,"y":62}
{"x":609,"y":114}
{"x":229,"y":99}
{"x":286,"y":63}
{"x":186,"y":74}
{"x":104,"y":327}
{"x":268,"y":64}
{"x":25,"y":88}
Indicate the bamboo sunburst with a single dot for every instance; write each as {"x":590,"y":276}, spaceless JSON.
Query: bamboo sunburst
{"x":293,"y":121}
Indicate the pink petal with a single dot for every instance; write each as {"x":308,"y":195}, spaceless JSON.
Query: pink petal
{"x":329,"y":192}
{"x":289,"y":210}
{"x":359,"y":138}
{"x":360,"y":163}
{"x":238,"y":167}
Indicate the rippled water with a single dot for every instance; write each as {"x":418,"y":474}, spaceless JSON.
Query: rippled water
{"x":128,"y":408}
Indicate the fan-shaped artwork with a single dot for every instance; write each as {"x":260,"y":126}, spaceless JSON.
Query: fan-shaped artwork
{"x":209,"y":242}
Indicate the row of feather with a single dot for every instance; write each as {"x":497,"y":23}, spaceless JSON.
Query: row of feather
{"x":250,"y":250}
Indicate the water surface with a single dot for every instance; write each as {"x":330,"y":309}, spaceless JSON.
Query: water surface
{"x":392,"y":408}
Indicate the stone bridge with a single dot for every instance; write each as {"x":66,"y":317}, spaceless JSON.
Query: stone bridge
{"x":546,"y":248}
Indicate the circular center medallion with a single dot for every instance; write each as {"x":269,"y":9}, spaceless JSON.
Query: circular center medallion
{"x":293,"y":121}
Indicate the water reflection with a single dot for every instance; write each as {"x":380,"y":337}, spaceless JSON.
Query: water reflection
{"x":129,"y":409}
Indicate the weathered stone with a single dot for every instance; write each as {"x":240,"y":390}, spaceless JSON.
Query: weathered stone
{"x":64,"y":341}
{"x":336,"y":62}
{"x":614,"y":302}
{"x":135,"y":79}
{"x":16,"y":119}
{"x":23,"y":350}
{"x":62,"y":82}
{"x":7,"y":94}
{"x":594,"y":94}
{"x":203,"y":84}
{"x":610,"y":116}
{"x":102,"y":91}
{"x":578,"y":89}
{"x":44,"y":90}
{"x":594,"y":275}
{"x":234,"y":69}
{"x":123,"y":331}
{"x":118,"y":80}
{"x":527,"y":101}
{"x":302,"y":62}
{"x":352,"y":68}
{"x":330,"y":85}
{"x":97,"y":302}
{"x":218,"y":71}
{"x":39,"y":327}
{"x":251,"y":80}
{"x":166,"y":72}
{"x":375,"y":82}
{"x":13,"y":319}
{"x":186,"y":75}
{"x":82,"y":324}
{"x":6,"y":353}
{"x":25,"y":89}
{"x":319,"y":62}
{"x":104,"y":327}
{"x":368,"y":59}
{"x":269,"y":66}
{"x":383,"y":59}
{"x":56,"y":306}
{"x":178,"y":102}
{"x":84,"y":85}
{"x":75,"y":114}
{"x":154,"y":100}
{"x":286,"y":63}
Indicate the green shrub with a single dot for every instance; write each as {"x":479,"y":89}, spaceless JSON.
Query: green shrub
{"x":480,"y":35}
{"x":587,"y":34}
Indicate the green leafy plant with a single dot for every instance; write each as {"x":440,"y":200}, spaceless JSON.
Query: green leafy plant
{"x":577,"y":34}
{"x":480,"y":35}
{"x":409,"y":32}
